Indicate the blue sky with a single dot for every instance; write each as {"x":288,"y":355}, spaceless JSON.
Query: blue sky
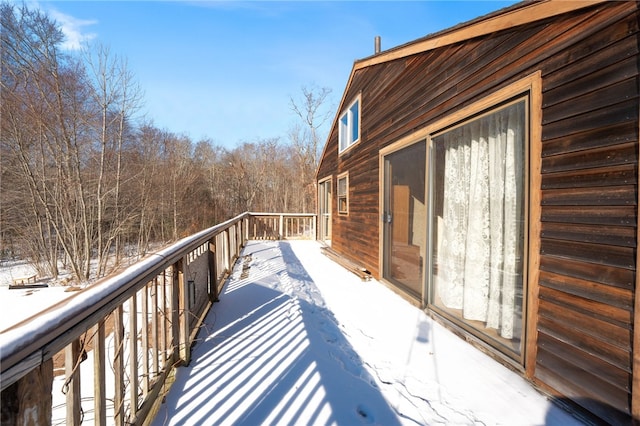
{"x":226,"y":70}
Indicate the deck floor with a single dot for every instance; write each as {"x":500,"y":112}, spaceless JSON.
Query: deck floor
{"x":297,"y":339}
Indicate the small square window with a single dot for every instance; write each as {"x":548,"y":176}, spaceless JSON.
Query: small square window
{"x":349,"y":132}
{"x":343,"y":194}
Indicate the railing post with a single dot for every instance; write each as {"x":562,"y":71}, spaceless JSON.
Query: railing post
{"x":233,"y":246}
{"x":314,"y":228}
{"x":72,"y":374}
{"x":180,"y":300}
{"x":169,"y":323}
{"x":155,"y":338}
{"x":280,"y":227}
{"x":133,"y":355}
{"x":237,"y":231}
{"x":99,"y":393}
{"x":227,"y":251}
{"x":28,"y":401}
{"x":118,"y":366}
{"x":213,"y":276}
{"x":144,"y":340}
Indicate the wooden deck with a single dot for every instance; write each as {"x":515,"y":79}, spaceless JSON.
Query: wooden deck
{"x":298,"y":339}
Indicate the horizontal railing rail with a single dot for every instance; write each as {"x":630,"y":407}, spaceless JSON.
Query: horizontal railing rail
{"x":138,"y":325}
{"x":270,"y":226}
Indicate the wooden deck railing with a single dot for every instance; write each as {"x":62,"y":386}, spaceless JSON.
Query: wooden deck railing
{"x":287,"y":226}
{"x":126,"y":333}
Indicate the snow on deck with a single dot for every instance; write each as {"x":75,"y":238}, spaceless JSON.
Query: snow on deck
{"x":297,"y":339}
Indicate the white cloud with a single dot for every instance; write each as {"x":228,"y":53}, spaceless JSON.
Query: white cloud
{"x":73,"y":29}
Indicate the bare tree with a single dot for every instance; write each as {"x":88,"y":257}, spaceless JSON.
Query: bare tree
{"x":147,"y":161}
{"x":117,"y":97}
{"x":205,"y":198}
{"x":42,"y":102}
{"x":313,"y":112}
{"x":79,"y":178}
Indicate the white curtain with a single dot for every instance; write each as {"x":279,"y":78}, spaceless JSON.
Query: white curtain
{"x":479,"y":233}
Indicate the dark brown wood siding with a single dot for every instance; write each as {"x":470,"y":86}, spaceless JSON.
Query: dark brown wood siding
{"x":589,"y":216}
{"x":589,"y":63}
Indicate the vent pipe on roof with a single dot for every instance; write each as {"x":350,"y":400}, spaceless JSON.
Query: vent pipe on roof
{"x":376,"y":47}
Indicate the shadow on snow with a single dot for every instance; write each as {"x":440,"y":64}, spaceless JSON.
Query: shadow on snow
{"x":271,"y":353}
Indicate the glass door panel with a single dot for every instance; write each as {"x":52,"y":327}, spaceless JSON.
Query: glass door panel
{"x":405,"y":218}
{"x":324,"y":203}
{"x":478,"y":227}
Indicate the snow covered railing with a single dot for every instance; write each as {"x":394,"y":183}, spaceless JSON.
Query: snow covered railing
{"x":282,"y":226}
{"x":137,"y":325}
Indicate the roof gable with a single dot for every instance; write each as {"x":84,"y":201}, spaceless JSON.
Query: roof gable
{"x":519,"y":14}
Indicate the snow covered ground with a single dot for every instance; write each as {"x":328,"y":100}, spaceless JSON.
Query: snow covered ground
{"x":17,"y":304}
{"x":297,"y":339}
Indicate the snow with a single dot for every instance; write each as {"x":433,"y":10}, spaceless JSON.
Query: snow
{"x":18,"y":304}
{"x":297,"y":339}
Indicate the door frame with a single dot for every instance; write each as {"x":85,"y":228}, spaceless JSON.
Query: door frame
{"x":533,"y":85}
{"x":382,"y":154}
{"x":328,"y":202}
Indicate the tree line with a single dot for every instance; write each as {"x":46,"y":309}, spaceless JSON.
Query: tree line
{"x":85,"y":181}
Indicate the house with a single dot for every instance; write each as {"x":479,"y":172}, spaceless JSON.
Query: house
{"x":489,"y":173}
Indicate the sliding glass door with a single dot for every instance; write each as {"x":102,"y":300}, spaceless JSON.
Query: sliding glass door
{"x":477,"y":223}
{"x":324,"y":211}
{"x":404,"y":218}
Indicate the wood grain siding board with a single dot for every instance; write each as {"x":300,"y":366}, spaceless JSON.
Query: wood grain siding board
{"x":455,"y":64}
{"x":624,"y":174}
{"x":621,"y":298}
{"x":518,"y":15}
{"x":623,"y":112}
{"x":426,"y":70}
{"x":550,"y":324}
{"x":467,"y":84}
{"x":618,"y":317}
{"x":598,"y":79}
{"x":522,"y":54}
{"x":329,"y":159}
{"x":589,"y":385}
{"x":597,"y":253}
{"x":480,"y":80}
{"x":590,"y":100}
{"x":597,"y":387}
{"x":615,"y":39}
{"x":599,"y":273}
{"x":615,"y":134}
{"x":609,"y":161}
{"x":385,"y":79}
{"x":590,"y":364}
{"x":352,"y":249}
{"x":585,"y":398}
{"x":584,"y":324}
{"x":422,"y":100}
{"x":598,"y":234}
{"x":595,"y":215}
{"x":598,"y":196}
{"x":397,"y":91}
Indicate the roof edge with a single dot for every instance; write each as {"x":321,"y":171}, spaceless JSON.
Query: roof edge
{"x":510,"y":17}
{"x":502,"y":19}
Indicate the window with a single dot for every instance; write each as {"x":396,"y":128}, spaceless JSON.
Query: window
{"x":478,"y":226}
{"x":343,"y":194}
{"x":349,"y":132}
